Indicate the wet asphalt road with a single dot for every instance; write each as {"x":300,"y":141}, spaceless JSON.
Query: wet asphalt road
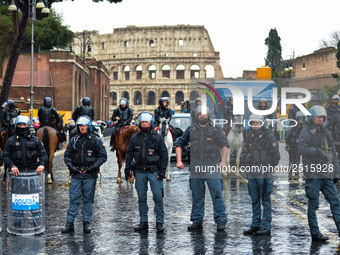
{"x":116,"y":213}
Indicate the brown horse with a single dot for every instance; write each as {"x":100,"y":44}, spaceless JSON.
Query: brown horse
{"x":3,"y":139}
{"x":122,"y":144}
{"x":49,"y":137}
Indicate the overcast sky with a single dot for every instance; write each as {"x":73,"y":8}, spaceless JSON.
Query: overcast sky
{"x":237,"y":28}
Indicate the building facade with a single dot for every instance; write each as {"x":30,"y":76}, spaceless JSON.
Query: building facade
{"x":148,"y":63}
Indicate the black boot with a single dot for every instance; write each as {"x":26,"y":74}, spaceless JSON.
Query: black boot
{"x":195,"y":226}
{"x":159,"y":227}
{"x":68,"y":229}
{"x":141,"y":226}
{"x":220,"y":226}
{"x":263,"y":232}
{"x":319,"y":237}
{"x":251,"y":231}
{"x":86,"y":227}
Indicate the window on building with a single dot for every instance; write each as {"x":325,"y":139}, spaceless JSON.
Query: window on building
{"x":303,"y":66}
{"x":179,"y":98}
{"x":115,"y":75}
{"x":126,"y":95}
{"x":103,"y":46}
{"x":180,"y":42}
{"x":126,"y":44}
{"x":180,"y":72}
{"x":166,"y":71}
{"x":113,"y":96}
{"x":151,"y":98}
{"x":139,"y":72}
{"x":126,"y":73}
{"x":151,"y":43}
{"x":209,"y":71}
{"x":137,"y":98}
{"x":194,"y":72}
{"x":152,"y":72}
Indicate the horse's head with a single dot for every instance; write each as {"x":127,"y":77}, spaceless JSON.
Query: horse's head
{"x":237,"y":123}
{"x":164,"y":126}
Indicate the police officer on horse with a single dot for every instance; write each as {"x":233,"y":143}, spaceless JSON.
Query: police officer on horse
{"x":262,"y":150}
{"x":205,"y":144}
{"x":163,"y":110}
{"x":333,"y":108}
{"x":8,"y":113}
{"x":24,"y":152}
{"x":123,"y":114}
{"x":317,"y":148}
{"x":84,"y":154}
{"x":198,"y":101}
{"x":84,"y":109}
{"x":148,"y":156}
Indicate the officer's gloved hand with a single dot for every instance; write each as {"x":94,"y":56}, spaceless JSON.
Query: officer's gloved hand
{"x":127,"y":175}
{"x":323,"y":156}
{"x":90,"y":169}
{"x":335,"y":180}
{"x":161,"y":175}
{"x":74,"y":170}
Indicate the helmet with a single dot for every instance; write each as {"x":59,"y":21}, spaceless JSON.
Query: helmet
{"x":255,"y":117}
{"x":263,"y":100}
{"x":317,"y":111}
{"x":10,"y":104}
{"x":198,"y":99}
{"x":202,"y":110}
{"x":47,"y":102}
{"x":145,"y":116}
{"x":123,"y":101}
{"x":84,"y":120}
{"x":335,"y":97}
{"x":162,"y":100}
{"x":86,"y":101}
{"x":300,"y":117}
{"x":22,"y":119}
{"x":300,"y":97}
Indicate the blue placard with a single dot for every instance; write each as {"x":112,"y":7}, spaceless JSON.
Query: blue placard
{"x":25,"y":202}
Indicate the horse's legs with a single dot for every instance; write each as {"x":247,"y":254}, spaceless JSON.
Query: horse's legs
{"x":120,"y":163}
{"x":224,"y":173}
{"x":168,"y":176}
{"x":50,"y":167}
{"x":238,"y":155}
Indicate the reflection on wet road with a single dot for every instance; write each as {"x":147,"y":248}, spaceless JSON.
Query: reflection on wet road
{"x":116,"y":213}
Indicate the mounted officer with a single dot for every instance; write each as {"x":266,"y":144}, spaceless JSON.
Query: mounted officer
{"x":317,"y":148}
{"x":206,"y":141}
{"x":263,"y":105}
{"x":48,"y":115}
{"x":123,"y":114}
{"x":163,"y":110}
{"x":148,"y":155}
{"x":333,"y":108}
{"x":84,"y":154}
{"x":198,"y":101}
{"x":228,"y":111}
{"x":262,"y":150}
{"x":24,"y":152}
{"x":8,"y":113}
{"x":84,"y":109}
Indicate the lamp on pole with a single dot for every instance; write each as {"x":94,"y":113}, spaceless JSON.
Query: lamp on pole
{"x":33,"y":5}
{"x":84,"y":41}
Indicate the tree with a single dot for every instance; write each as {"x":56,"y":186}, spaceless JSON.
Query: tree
{"x":274,"y":53}
{"x":333,"y":41}
{"x":19,"y":25}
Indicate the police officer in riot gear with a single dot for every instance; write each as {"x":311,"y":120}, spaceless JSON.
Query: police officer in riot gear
{"x":24,"y":152}
{"x":149,"y":155}
{"x":228,"y":111}
{"x":198,"y":101}
{"x":84,"y":109}
{"x":206,"y":141}
{"x":84,"y":155}
{"x":292,"y":140}
{"x":262,"y":150}
{"x":263,"y":106}
{"x":292,"y":111}
{"x":123,"y":114}
{"x":333,"y":108}
{"x":163,"y":110}
{"x":318,"y":151}
{"x":48,"y":115}
{"x":8,"y":113}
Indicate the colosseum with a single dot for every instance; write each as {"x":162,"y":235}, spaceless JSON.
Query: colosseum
{"x":147,"y":63}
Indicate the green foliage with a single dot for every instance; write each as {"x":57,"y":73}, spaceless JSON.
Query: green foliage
{"x":274,"y":53}
{"x":331,"y":91}
{"x":48,"y":33}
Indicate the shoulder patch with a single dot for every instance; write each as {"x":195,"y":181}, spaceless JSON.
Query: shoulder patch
{"x":274,"y":144}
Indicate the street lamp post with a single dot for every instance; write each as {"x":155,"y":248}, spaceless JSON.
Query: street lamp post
{"x":84,"y":40}
{"x":33,"y":5}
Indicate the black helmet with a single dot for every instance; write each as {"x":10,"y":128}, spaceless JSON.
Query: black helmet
{"x":47,"y":102}
{"x":162,"y":100}
{"x":86,"y":101}
{"x":10,"y":104}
